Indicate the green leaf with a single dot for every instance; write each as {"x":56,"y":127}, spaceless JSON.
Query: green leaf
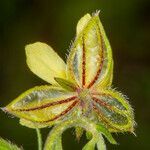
{"x":6,"y":145}
{"x":106,"y":133}
{"x":90,"y":145}
{"x":100,"y":143}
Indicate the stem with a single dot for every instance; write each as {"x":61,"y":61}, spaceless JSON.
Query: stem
{"x":39,"y":139}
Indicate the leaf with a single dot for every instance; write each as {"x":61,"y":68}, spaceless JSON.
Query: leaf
{"x":100,"y":143}
{"x":44,"y":104}
{"x":90,"y":60}
{"x":106,"y":133}
{"x":6,"y":145}
{"x":44,"y":62}
{"x":90,"y":145}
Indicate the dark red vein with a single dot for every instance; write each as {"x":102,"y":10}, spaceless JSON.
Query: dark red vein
{"x":83,"y":63}
{"x":48,"y":104}
{"x":102,"y":117}
{"x":100,"y":66}
{"x":102,"y":94}
{"x":98,"y":111}
{"x":100,"y":114}
{"x":101,"y":63}
{"x":62,"y":113}
{"x":102,"y":103}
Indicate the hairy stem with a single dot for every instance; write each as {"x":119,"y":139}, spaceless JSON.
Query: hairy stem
{"x":39,"y":139}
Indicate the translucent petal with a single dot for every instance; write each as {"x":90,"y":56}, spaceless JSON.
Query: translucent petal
{"x":90,"y":60}
{"x":113,"y":109}
{"x":43,"y":104}
{"x":45,"y":62}
{"x":82,"y":23}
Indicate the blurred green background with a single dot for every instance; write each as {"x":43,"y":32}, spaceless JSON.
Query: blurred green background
{"x":127,"y":24}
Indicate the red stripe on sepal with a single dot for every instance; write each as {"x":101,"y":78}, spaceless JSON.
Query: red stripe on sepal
{"x":48,"y":104}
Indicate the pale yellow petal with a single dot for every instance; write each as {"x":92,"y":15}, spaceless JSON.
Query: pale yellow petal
{"x":82,"y":23}
{"x":45,"y":62}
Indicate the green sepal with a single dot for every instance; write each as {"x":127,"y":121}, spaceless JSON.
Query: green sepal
{"x":65,"y":84}
{"x":106,"y":133}
{"x":100,"y":143}
{"x":6,"y":145}
{"x":90,"y":145}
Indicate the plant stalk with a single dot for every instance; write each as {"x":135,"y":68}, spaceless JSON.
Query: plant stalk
{"x":39,"y":139}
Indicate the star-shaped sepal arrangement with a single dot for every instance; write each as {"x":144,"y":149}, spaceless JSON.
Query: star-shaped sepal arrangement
{"x":80,"y":94}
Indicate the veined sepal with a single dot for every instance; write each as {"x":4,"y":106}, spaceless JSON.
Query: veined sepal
{"x":42,"y":106}
{"x":90,"y":60}
{"x":113,"y":109}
